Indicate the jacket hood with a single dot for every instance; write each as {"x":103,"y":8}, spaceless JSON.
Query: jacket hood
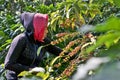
{"x":34,"y":24}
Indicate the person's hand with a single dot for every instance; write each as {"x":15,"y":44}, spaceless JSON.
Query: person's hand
{"x":37,"y":69}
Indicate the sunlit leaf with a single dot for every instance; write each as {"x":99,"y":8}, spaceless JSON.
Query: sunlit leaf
{"x":111,"y":24}
{"x":44,"y":76}
{"x":24,"y":73}
{"x":9,"y":41}
{"x":111,"y":1}
{"x":39,"y":50}
{"x":82,"y":20}
{"x":4,"y":45}
{"x":54,"y":60}
{"x":68,"y":13}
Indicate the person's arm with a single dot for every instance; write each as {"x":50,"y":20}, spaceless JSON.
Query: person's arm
{"x":51,"y":48}
{"x":16,"y":48}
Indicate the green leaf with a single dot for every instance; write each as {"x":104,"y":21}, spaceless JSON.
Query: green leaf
{"x":39,"y":49}
{"x":1,"y":48}
{"x":111,"y":1}
{"x":2,"y":33}
{"x":9,"y":41}
{"x":101,"y":1}
{"x":111,"y":24}
{"x":54,"y":60}
{"x":113,"y":51}
{"x":5,"y":44}
{"x":68,"y":13}
{"x":107,"y":39}
{"x":24,"y":73}
{"x":44,"y":76}
{"x":55,"y":19}
{"x":117,"y":2}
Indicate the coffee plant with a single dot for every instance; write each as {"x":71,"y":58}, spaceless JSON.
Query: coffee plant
{"x":82,"y":28}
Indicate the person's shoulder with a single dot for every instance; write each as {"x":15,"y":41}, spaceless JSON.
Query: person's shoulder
{"x":20,"y":37}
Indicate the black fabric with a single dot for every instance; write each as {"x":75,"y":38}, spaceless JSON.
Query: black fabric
{"x":16,"y":48}
{"x":27,"y":22}
{"x":50,"y":48}
{"x":22,"y":53}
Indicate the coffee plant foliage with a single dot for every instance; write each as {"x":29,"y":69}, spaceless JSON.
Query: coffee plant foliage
{"x":82,"y":28}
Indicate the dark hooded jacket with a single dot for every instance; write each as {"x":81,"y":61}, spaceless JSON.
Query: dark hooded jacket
{"x":22,"y":54}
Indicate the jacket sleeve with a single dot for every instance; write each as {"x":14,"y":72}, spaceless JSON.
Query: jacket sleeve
{"x":51,"y":48}
{"x":13,"y":54}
